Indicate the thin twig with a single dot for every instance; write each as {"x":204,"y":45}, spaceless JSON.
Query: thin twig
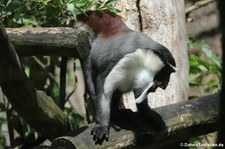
{"x":197,"y":5}
{"x":71,"y":93}
{"x":39,"y":62}
{"x":43,"y":66}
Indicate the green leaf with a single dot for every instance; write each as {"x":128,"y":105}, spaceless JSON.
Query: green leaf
{"x":27,"y":71}
{"x":111,"y":2}
{"x":8,"y":3}
{"x":26,"y":22}
{"x":212,"y":56}
{"x":70,"y":7}
{"x":191,"y":43}
{"x":203,"y":66}
{"x":73,"y":117}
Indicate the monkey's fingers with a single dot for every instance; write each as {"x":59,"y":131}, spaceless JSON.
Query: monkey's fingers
{"x":100,"y":133}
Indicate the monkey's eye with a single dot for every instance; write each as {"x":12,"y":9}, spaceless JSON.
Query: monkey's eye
{"x":163,"y":85}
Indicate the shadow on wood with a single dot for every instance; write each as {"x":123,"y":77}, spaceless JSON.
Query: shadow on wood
{"x":182,"y":120}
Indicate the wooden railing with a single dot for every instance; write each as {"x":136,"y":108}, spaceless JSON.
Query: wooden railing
{"x":182,"y":120}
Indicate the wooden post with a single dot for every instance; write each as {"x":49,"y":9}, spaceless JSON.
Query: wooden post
{"x":164,"y":21}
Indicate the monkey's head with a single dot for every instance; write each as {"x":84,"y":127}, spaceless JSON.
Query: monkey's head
{"x":162,"y":78}
{"x":100,"y":22}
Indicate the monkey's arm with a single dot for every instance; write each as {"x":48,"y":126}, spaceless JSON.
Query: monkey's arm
{"x":88,"y":74}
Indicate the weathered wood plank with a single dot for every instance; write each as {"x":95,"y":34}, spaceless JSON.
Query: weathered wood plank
{"x":48,"y":41}
{"x":183,"y":120}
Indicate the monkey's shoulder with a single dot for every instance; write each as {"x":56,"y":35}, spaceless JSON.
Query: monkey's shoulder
{"x":126,"y":41}
{"x":112,"y":49}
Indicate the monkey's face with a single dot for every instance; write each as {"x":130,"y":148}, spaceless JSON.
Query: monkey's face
{"x":161,"y":79}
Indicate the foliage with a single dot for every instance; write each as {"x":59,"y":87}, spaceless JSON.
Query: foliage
{"x":202,"y":66}
{"x":17,"y":13}
{"x":47,"y":13}
{"x":28,"y":130}
{"x":76,"y":119}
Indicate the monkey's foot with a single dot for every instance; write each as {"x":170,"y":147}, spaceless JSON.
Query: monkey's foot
{"x":100,"y":133}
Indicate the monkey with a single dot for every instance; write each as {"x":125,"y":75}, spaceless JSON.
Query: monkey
{"x":121,"y":60}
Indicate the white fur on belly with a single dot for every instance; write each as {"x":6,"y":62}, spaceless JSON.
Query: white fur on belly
{"x":135,"y":70}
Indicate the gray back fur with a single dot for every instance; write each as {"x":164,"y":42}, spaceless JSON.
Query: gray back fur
{"x":106,"y":53}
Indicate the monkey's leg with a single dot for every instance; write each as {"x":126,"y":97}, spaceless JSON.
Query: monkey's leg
{"x":116,"y":104}
{"x":101,"y":130}
{"x":151,"y":117}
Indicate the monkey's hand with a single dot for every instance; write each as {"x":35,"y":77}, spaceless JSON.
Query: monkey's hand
{"x":100,"y":133}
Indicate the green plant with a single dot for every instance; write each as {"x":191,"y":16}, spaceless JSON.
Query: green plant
{"x":201,"y":66}
{"x":47,"y":13}
{"x":76,"y":119}
{"x":17,"y":13}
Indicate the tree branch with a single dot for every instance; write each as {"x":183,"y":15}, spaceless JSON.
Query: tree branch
{"x":183,"y":120}
{"x":197,"y":5}
{"x":38,"y":109}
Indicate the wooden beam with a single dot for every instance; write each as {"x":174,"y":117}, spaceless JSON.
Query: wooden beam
{"x":38,"y":109}
{"x":183,"y":120}
{"x":48,"y":41}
